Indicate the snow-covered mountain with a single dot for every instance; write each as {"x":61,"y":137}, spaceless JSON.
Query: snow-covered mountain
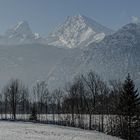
{"x":112,"y":58}
{"x":78,"y":31}
{"x":26,"y":55}
{"x":21,"y":34}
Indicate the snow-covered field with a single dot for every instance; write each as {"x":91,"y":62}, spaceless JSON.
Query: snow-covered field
{"x":34,"y":131}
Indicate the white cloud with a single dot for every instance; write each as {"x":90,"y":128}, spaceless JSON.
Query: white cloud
{"x":135,"y":19}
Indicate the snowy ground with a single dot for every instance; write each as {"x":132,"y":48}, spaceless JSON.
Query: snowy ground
{"x":32,"y":131}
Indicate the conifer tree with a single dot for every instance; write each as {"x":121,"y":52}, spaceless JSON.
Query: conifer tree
{"x":33,"y":116}
{"x":128,"y":108}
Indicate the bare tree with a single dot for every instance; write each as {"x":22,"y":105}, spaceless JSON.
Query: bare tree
{"x":52,"y":104}
{"x":1,"y":105}
{"x":102,"y":103}
{"x":80,"y":103}
{"x":40,"y":91}
{"x":115,"y":90}
{"x":91,"y":81}
{"x":71,"y":99}
{"x":13,"y":89}
{"x":24,"y":100}
{"x":5,"y":92}
{"x":75,"y":100}
{"x":58,"y":93}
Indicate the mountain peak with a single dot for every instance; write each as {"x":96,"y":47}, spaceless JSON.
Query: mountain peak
{"x":77,"y":31}
{"x":131,"y":26}
{"x":22,"y":24}
{"x":128,"y":31}
{"x":21,"y":33}
{"x":20,"y":30}
{"x":78,"y":17}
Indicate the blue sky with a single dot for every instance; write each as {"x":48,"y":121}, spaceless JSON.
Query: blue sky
{"x":44,"y":15}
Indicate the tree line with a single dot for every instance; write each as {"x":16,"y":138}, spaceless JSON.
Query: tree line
{"x":87,"y":102}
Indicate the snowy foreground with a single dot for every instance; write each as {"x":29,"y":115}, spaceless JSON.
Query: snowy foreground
{"x":31,"y":131}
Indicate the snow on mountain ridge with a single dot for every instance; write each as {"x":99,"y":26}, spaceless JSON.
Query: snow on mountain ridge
{"x":21,"y":33}
{"x":77,"y":31}
{"x":20,"y":30}
{"x":22,"y":24}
